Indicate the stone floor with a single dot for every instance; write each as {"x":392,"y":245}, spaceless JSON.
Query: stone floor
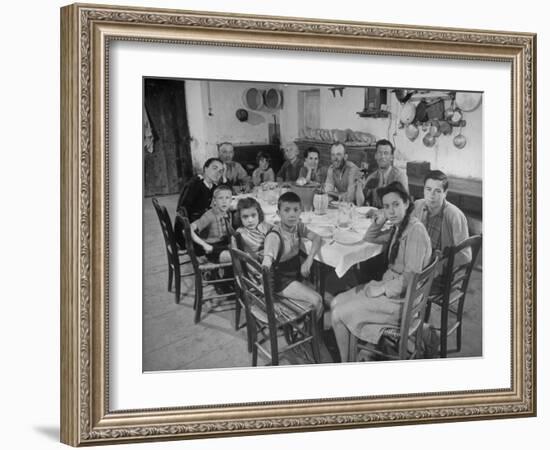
{"x":171,"y":341}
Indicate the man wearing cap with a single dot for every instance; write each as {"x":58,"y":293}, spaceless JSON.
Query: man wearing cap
{"x":385,"y":174}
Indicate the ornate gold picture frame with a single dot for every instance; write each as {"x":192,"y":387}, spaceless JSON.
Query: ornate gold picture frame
{"x":87,"y":32}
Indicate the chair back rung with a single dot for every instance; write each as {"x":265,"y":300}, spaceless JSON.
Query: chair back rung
{"x":269,"y":314}
{"x":456,"y":278}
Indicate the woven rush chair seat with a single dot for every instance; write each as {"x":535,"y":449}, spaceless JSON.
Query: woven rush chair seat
{"x":286,"y":310}
{"x":207,"y":266}
{"x":205,"y":273}
{"x":404,"y":342}
{"x":270,"y":316}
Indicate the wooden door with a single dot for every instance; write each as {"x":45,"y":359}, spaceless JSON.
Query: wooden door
{"x":309,"y":109}
{"x":167,"y":163}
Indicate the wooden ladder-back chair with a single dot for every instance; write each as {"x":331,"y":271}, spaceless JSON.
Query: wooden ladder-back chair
{"x":237,"y":244}
{"x":205,"y":272}
{"x":395,"y":343}
{"x":269,"y":315}
{"x":174,"y":254}
{"x":451,"y":293}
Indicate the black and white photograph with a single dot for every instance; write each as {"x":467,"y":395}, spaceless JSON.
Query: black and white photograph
{"x":291,"y":224}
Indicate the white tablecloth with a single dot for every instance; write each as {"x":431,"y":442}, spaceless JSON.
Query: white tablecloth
{"x":332,"y":253}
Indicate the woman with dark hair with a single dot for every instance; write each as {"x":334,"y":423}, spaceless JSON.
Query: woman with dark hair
{"x":367,"y":309}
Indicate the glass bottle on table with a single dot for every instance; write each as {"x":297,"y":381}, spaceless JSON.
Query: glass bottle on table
{"x":344,"y":220}
{"x":320,"y":202}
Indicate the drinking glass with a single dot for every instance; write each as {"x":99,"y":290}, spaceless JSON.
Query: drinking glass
{"x":344,"y":215}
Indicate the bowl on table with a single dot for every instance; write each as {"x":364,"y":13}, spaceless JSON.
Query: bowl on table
{"x":365,"y":210}
{"x":347,"y":237}
{"x":325,"y":231}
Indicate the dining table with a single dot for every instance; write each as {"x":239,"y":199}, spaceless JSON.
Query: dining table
{"x":343,"y":245}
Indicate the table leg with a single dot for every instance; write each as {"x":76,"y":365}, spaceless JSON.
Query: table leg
{"x":319,"y":281}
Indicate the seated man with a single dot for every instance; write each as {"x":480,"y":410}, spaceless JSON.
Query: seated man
{"x":385,"y":174}
{"x":234,"y":173}
{"x":196,"y":196}
{"x":311,"y":171}
{"x":446,"y":224}
{"x":290,"y":170}
{"x":341,"y":175}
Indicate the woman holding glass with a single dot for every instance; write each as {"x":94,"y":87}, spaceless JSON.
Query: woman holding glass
{"x":367,"y":309}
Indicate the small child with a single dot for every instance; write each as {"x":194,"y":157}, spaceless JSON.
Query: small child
{"x":211,"y":231}
{"x":282,"y":251}
{"x":252,"y":228}
{"x":264,"y":172}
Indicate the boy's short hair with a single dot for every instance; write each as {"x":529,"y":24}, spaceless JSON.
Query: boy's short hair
{"x":221,"y":188}
{"x":289,"y":197}
{"x":438,"y":176}
{"x":263,"y":155}
{"x":210,"y":161}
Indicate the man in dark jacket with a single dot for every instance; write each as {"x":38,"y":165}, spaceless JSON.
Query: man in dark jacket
{"x":196,"y":196}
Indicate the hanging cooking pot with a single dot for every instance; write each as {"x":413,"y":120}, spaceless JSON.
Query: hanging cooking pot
{"x":402,"y":95}
{"x":242,"y":115}
{"x":456,"y":118}
{"x":445,"y":127}
{"x":408,"y":113}
{"x":412,"y":132}
{"x":460,"y":141}
{"x":429,"y":140}
{"x":468,"y":101}
{"x":434,"y":128}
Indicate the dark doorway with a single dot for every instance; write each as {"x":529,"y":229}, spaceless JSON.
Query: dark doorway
{"x":167,"y":162}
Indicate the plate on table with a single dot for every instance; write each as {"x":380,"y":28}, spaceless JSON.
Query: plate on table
{"x":347,"y":237}
{"x":334,"y":203}
{"x":364,"y":210}
{"x":325,"y":232}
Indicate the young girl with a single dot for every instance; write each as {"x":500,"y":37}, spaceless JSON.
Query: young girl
{"x":282,"y":251}
{"x":264,"y":172}
{"x":251,"y":226}
{"x":366,"y":310}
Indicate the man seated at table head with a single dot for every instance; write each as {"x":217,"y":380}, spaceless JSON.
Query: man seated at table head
{"x":312,"y":171}
{"x":385,"y":174}
{"x":196,"y":195}
{"x":446,"y":224}
{"x":234,"y":173}
{"x":342,"y":174}
{"x":290,"y":170}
